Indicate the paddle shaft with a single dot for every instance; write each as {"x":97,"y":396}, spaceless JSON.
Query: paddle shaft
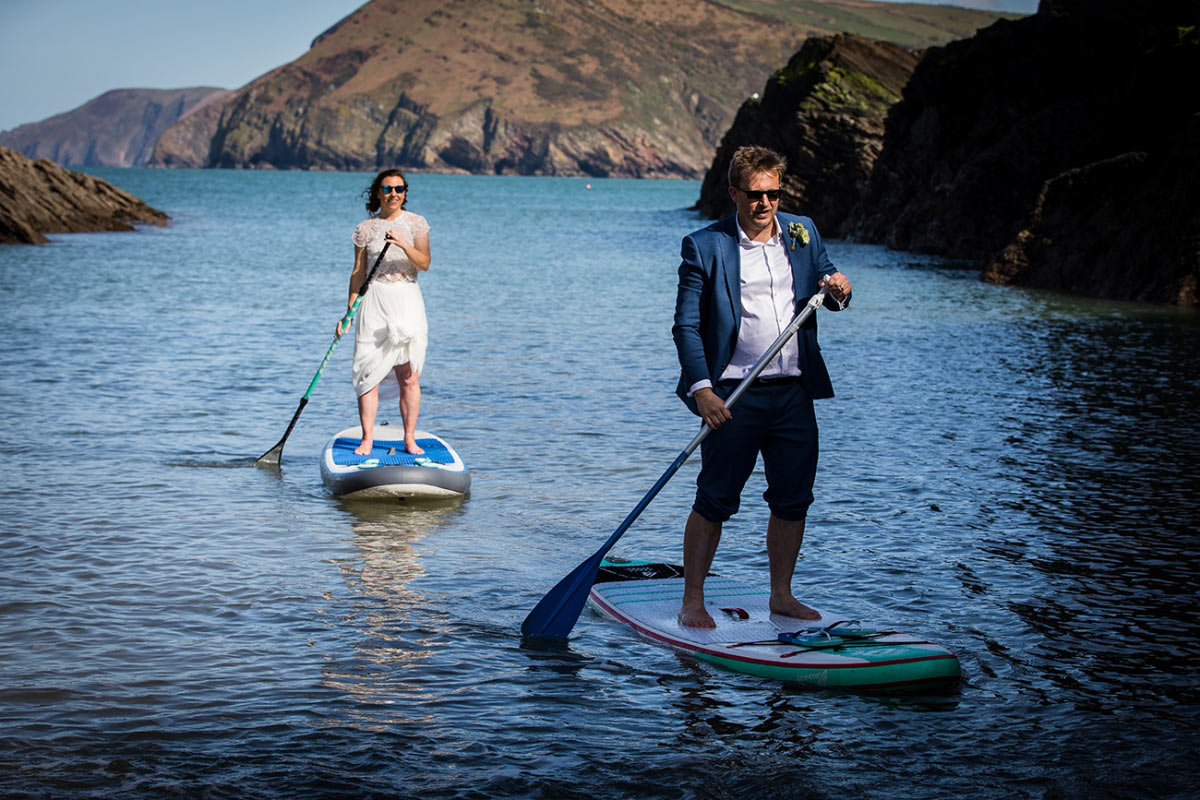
{"x":555,"y":615}
{"x":788,"y":332}
{"x":273,"y":455}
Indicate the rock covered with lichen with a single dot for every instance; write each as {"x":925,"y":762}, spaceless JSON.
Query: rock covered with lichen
{"x":825,"y":113}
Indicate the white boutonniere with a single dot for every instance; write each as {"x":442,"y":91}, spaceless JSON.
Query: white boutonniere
{"x":799,"y":233}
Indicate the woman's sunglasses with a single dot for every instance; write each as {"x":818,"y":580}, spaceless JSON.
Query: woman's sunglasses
{"x":390,"y":189}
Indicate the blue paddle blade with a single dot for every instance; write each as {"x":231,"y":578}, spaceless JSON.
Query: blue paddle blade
{"x":556,"y":614}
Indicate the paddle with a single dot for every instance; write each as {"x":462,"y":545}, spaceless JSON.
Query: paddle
{"x":556,"y":613}
{"x":271,"y":457}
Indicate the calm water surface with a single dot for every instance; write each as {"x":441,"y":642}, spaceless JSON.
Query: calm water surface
{"x":1009,"y":472}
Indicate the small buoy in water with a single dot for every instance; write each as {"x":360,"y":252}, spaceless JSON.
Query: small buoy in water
{"x":589,"y":186}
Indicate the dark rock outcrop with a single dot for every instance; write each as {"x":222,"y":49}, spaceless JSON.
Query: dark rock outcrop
{"x":40,"y":197}
{"x":629,"y":88}
{"x":825,"y":112}
{"x":1126,"y":227}
{"x":1061,"y":149}
{"x":117,"y":129}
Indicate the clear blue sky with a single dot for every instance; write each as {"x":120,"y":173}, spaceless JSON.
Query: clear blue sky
{"x":55,"y":55}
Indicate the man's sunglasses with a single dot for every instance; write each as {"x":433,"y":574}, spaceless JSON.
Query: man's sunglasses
{"x":390,"y":189}
{"x":770,"y":194}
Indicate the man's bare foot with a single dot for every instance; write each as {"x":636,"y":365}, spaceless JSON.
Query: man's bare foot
{"x":694,"y":615}
{"x":791,"y":607}
{"x":412,"y":448}
{"x":364,"y":449}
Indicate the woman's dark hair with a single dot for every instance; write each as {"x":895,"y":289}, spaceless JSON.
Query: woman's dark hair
{"x":373,"y":192}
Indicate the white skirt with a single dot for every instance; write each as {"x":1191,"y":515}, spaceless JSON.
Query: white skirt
{"x":391,"y":330}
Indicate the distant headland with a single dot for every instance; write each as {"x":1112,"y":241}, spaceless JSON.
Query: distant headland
{"x":117,"y":129}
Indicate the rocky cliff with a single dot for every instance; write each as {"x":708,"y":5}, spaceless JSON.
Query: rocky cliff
{"x":40,"y":197}
{"x":1060,"y":149}
{"x":188,"y":143}
{"x":825,"y":112}
{"x":596,"y":87}
{"x":116,"y":129}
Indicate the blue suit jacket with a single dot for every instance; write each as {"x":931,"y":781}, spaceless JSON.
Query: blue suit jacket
{"x":708,"y":307}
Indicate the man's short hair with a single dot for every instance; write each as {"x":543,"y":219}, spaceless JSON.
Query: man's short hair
{"x":751,"y":160}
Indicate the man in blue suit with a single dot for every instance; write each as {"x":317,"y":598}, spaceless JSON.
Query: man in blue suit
{"x":741,"y":281}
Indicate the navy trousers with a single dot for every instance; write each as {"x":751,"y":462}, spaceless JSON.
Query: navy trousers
{"x":777,"y":420}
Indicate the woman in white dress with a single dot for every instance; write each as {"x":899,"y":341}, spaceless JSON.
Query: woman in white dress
{"x":391,"y":333}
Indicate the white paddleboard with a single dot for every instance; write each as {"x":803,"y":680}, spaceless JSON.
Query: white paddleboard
{"x":388,"y":471}
{"x":830,"y":652}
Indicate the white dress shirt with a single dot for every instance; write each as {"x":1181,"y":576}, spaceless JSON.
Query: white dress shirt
{"x":768,"y":305}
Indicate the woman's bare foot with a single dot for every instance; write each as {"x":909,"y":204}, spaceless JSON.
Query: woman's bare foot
{"x":412,"y":448}
{"x":365,"y":448}
{"x":791,"y":607}
{"x":695,"y":615}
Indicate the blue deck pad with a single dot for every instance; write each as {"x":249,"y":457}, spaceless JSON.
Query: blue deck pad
{"x":344,"y":456}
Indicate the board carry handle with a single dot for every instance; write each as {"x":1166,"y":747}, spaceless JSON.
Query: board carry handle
{"x":557,"y":612}
{"x":272,"y":457}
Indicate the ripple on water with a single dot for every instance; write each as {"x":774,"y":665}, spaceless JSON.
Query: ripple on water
{"x":1007,"y":472}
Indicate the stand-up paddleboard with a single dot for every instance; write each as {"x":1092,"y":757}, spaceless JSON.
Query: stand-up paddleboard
{"x":831,"y":652}
{"x":388,"y":471}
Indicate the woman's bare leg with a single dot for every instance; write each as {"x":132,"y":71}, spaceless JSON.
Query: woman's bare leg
{"x":410,"y":406}
{"x":368,"y":405}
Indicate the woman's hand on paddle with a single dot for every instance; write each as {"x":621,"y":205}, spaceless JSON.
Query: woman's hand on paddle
{"x":342,"y":326}
{"x":711,"y":407}
{"x":398,"y":239}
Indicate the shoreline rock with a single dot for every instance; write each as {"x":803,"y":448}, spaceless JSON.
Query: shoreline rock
{"x":1060,"y":150}
{"x":40,"y":197}
{"x":825,"y":112}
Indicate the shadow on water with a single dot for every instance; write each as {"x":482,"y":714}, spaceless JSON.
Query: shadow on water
{"x":556,"y":656}
{"x":214,"y":461}
{"x":402,"y":514}
{"x":1109,"y":457}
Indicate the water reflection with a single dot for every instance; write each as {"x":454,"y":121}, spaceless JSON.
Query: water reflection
{"x":387,"y":627}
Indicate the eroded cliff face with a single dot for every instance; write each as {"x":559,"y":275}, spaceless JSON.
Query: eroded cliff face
{"x":1125,"y":228}
{"x":40,"y":197}
{"x":1061,"y":150}
{"x":633,"y":88}
{"x":825,"y":112}
{"x":569,"y":88}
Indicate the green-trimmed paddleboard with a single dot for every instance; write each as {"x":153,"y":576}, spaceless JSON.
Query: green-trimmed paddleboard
{"x":831,"y":652}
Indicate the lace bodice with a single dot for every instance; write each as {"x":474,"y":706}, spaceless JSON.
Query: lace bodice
{"x":396,"y":265}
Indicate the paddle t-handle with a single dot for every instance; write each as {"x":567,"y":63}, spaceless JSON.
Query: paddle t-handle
{"x":557,"y":612}
{"x":272,"y":457}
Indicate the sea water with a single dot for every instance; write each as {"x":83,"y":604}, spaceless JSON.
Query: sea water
{"x":1009,"y":472}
